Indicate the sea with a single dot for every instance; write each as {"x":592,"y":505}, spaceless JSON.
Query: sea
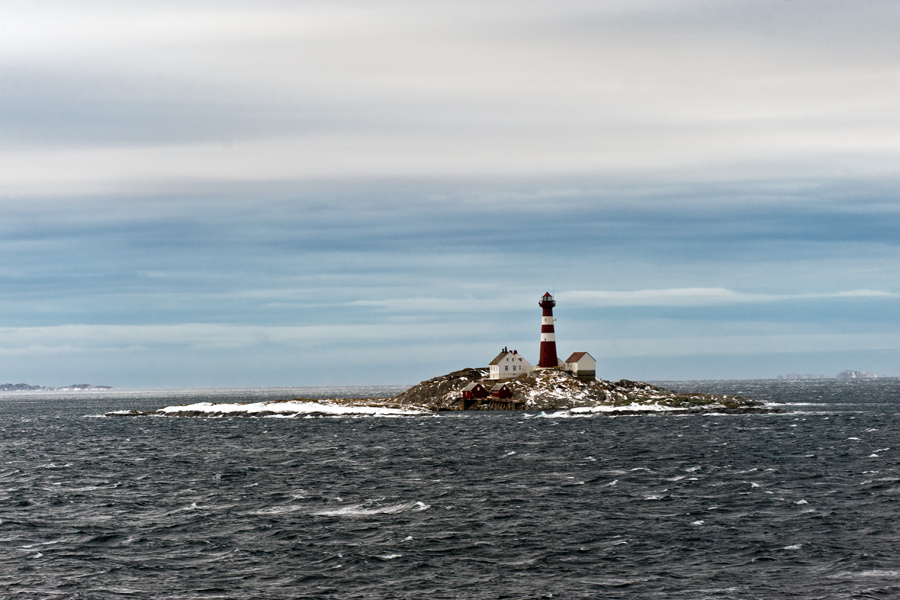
{"x":802,"y":503}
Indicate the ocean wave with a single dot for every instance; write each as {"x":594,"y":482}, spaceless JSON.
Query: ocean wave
{"x":366,"y":509}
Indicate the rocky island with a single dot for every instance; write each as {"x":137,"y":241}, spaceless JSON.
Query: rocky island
{"x":556,"y":389}
{"x":544,"y":390}
{"x":510,"y":382}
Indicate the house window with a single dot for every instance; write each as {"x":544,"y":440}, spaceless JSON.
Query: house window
{"x":506,"y":368}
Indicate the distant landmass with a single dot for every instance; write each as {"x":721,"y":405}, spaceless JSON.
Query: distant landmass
{"x":25,"y":387}
{"x":841,"y":375}
{"x":855,"y":375}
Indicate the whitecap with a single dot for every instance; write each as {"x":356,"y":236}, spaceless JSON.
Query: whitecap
{"x":620,"y":581}
{"x":793,"y":547}
{"x":561,"y":414}
{"x":801,"y":502}
{"x":698,"y":522}
{"x":891,"y":573}
{"x":30,"y":546}
{"x":277,"y":510}
{"x":364,"y":510}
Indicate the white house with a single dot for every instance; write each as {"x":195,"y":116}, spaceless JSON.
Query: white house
{"x":582,"y":365}
{"x":509,"y":364}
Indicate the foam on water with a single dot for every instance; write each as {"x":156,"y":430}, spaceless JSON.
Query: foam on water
{"x":648,"y":408}
{"x":367,"y":510}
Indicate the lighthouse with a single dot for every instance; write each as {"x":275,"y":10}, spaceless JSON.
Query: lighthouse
{"x":548,"y":338}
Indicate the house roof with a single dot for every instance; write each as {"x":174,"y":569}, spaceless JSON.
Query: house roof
{"x":499,"y":386}
{"x":504,"y":353}
{"x":499,"y":357}
{"x":576,"y":356}
{"x":472,"y":385}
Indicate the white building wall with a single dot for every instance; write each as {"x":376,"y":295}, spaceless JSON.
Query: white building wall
{"x":585,"y":364}
{"x":511,"y":365}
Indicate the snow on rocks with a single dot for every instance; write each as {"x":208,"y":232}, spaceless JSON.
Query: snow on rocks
{"x":542,"y":390}
{"x":555,"y":389}
{"x":278,"y":408}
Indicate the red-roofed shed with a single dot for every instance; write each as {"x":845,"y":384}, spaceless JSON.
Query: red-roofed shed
{"x":474,"y":390}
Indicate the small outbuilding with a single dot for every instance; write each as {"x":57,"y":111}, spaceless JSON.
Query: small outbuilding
{"x":474,"y":390}
{"x":501,"y":390}
{"x":582,"y":365}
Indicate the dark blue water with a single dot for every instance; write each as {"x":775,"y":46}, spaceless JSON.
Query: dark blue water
{"x":803,"y":504}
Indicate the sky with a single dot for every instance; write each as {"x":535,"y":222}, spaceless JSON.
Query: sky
{"x":261,"y":194}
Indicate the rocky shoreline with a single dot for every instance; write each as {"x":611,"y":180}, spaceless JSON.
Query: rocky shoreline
{"x":544,"y":390}
{"x":555,"y":389}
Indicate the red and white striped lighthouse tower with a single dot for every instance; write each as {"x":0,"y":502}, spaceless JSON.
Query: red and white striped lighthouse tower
{"x":548,"y":337}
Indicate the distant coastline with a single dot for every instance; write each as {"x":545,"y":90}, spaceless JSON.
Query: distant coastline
{"x":844,"y":375}
{"x":75,"y":387}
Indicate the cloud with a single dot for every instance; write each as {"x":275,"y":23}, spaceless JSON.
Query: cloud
{"x":144,"y":96}
{"x":745,"y":345}
{"x":218,"y":179}
{"x":65,"y":339}
{"x":701,"y":297}
{"x":433,"y":305}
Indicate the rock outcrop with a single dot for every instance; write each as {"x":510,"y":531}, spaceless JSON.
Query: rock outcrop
{"x":554,"y":389}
